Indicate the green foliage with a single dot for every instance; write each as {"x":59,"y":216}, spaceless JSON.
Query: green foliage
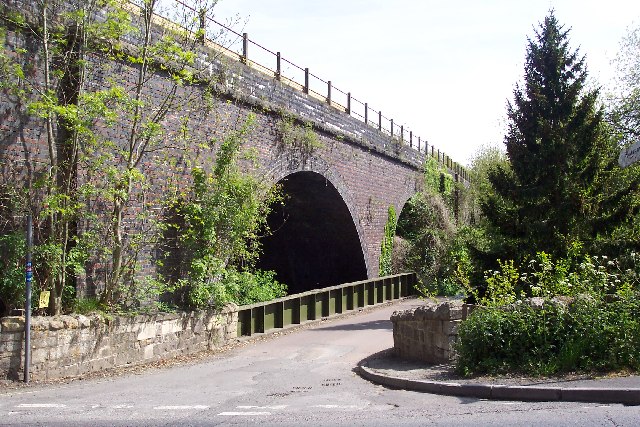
{"x":587,"y":334}
{"x":432,"y":238}
{"x":386,"y":248}
{"x":501,"y":285}
{"x":587,"y":317}
{"x":624,"y":109}
{"x":218,"y":226}
{"x":562,"y":184}
{"x":238,"y":287}
{"x":624,"y":117}
{"x":46,"y":80}
{"x":300,"y":138}
{"x":434,"y":250}
{"x":437,"y":179}
{"x":12,"y":274}
{"x":88,"y":305}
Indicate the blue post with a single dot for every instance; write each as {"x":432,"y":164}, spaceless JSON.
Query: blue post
{"x":27,"y":303}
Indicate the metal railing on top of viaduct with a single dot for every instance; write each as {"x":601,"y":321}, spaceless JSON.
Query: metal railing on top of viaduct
{"x":302,"y":79}
{"x":300,"y":308}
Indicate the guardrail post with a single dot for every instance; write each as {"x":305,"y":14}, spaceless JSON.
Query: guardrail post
{"x":348,"y":298}
{"x":411,"y":138}
{"x":419,"y":147}
{"x":401,"y":133}
{"x":391,"y":128}
{"x":306,"y":80}
{"x":329,"y":92}
{"x":349,"y":103}
{"x":380,"y":120}
{"x":245,"y":47}
{"x":278,"y":66}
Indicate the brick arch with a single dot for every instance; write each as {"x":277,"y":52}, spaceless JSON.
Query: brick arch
{"x":288,"y":165}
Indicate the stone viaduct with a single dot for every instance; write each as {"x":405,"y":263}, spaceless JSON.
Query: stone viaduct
{"x":338,"y":192}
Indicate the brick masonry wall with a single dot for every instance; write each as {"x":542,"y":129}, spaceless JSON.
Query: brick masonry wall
{"x":70,"y":346}
{"x":428,"y":333}
{"x":370,"y":170}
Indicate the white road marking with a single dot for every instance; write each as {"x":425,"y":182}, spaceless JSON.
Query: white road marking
{"x":180,"y":407}
{"x":338,"y":406}
{"x":122,"y":406}
{"x":262,"y":407}
{"x":41,"y":405}
{"x":235,"y":414}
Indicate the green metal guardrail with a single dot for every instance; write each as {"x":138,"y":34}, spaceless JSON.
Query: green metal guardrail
{"x":312,"y":305}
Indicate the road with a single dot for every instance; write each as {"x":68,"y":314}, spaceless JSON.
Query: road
{"x":300,"y":378}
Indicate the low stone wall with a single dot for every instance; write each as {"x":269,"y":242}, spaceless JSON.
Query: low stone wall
{"x":69,"y":346}
{"x":428,"y":333}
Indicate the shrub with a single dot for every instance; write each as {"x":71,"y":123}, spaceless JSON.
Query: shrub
{"x":12,"y":250}
{"x":588,"y":334}
{"x":239,"y":287}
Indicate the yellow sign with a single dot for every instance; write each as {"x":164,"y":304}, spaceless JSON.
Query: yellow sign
{"x":44,"y":299}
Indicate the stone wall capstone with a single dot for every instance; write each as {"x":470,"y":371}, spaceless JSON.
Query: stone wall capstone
{"x":74,"y":345}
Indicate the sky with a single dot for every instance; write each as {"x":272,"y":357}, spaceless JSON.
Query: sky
{"x":444,"y":69}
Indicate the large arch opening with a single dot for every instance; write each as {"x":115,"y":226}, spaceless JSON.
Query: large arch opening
{"x":313,"y":242}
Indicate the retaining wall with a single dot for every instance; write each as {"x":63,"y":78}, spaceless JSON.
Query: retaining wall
{"x":68,"y":346}
{"x":428,"y":333}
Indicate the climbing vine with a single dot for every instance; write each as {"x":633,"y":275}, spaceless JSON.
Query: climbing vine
{"x":386,"y":249}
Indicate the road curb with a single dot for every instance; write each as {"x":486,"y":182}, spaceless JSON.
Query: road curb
{"x":626,"y":396}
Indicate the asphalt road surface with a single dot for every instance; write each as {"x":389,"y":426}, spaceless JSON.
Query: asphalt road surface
{"x":301,"y":378}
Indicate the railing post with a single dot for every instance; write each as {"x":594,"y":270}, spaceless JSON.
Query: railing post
{"x":411,"y":138}
{"x":278,"y":66}
{"x":245,"y":47}
{"x":306,"y":80}
{"x":380,"y":120}
{"x":419,"y":146}
{"x":456,"y":204}
{"x":391,"y":128}
{"x":401,"y":133}
{"x":202,"y":16}
{"x":349,"y":103}
{"x":366,"y":113}
{"x":329,"y":92}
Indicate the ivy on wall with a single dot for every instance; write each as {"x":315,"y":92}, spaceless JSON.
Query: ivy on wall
{"x":386,"y":249}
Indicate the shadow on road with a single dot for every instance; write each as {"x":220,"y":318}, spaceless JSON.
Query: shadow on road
{"x":374,"y":324}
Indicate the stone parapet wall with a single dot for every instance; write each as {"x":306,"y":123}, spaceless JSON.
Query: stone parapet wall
{"x":428,"y":333}
{"x":69,"y":346}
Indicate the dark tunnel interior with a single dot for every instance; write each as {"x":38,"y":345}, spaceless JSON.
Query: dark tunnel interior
{"x":313,"y":242}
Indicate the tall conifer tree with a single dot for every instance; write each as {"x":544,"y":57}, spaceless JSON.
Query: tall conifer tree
{"x":561,"y":186}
